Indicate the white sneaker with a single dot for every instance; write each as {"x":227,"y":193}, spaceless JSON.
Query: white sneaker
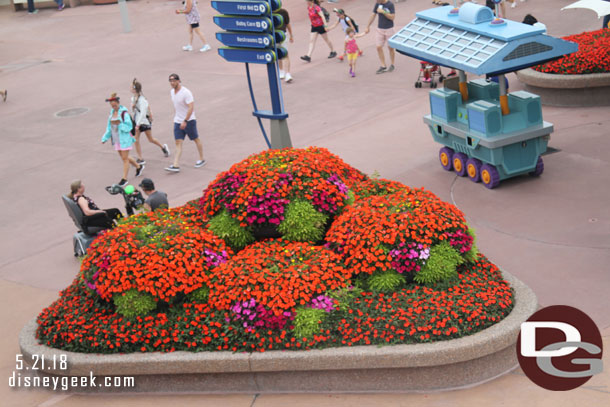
{"x":200,"y":163}
{"x":288,"y":78}
{"x":187,"y":48}
{"x":282,"y":74}
{"x":205,"y":48}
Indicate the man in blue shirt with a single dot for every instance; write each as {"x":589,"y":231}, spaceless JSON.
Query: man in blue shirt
{"x":385,"y":29}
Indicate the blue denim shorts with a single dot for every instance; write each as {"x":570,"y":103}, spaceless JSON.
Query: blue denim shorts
{"x":190,"y":130}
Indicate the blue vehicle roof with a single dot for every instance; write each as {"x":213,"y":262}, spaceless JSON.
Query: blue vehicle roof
{"x":467,"y":40}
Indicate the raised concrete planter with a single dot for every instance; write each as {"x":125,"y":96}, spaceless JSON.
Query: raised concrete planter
{"x":568,"y":90}
{"x":444,"y":365}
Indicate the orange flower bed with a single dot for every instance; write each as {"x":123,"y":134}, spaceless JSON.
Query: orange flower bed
{"x":256,"y":190}
{"x":163,"y":253}
{"x":278,"y":275}
{"x":369,"y":234}
{"x":397,"y":265}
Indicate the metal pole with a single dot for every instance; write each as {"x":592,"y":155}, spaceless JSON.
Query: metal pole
{"x":124,"y":16}
{"x":463,"y":85}
{"x":503,"y":96}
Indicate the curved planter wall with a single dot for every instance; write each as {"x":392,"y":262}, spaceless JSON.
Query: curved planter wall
{"x":444,"y":365}
{"x":568,"y":90}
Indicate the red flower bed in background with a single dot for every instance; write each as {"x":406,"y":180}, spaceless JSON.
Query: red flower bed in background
{"x":593,"y":55}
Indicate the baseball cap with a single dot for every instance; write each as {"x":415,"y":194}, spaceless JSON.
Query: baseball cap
{"x":147,"y":184}
{"x":339,"y":10}
{"x":174,"y":76}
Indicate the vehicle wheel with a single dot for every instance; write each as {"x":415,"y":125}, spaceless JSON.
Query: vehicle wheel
{"x":433,"y":85}
{"x":473,"y":169}
{"x":441,"y":79}
{"x":539,"y":168}
{"x":416,"y":84}
{"x":489,"y":176}
{"x":445,"y":157}
{"x":459,"y":163}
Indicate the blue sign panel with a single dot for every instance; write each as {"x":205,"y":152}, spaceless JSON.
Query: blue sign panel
{"x":241,"y":8}
{"x":252,"y":24}
{"x":252,"y":56}
{"x":232,"y":39}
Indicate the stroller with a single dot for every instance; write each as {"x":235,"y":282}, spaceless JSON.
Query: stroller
{"x":428,"y":73}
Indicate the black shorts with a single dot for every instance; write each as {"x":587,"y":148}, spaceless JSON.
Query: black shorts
{"x":194,"y":25}
{"x":320,"y":29}
{"x":144,"y":127}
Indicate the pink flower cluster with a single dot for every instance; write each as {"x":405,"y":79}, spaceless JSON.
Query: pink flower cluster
{"x":409,"y":257}
{"x":460,"y":240}
{"x":334,"y":179}
{"x":102,"y":264}
{"x":266,"y":208}
{"x":229,"y":187}
{"x":215,"y":259}
{"x":255,"y":316}
{"x":322,"y":302}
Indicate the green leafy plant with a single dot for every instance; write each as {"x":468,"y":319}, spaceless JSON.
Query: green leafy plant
{"x":227,"y":228}
{"x":385,"y":281}
{"x":441,"y":265}
{"x":302,"y":222}
{"x":307,"y":321}
{"x":344,"y":296}
{"x":351,"y":198}
{"x":200,"y":295}
{"x":133,"y":303}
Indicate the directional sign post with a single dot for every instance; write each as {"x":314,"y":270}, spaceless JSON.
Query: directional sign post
{"x":250,"y":38}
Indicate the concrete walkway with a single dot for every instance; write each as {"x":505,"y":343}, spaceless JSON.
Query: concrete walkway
{"x":552,"y":232}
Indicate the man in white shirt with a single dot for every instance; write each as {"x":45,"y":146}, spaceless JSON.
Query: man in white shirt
{"x":185,"y":122}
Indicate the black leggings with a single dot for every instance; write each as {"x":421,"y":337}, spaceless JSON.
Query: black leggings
{"x":103,"y":220}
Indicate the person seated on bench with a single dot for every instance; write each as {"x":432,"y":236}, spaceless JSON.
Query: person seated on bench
{"x":94,"y":216}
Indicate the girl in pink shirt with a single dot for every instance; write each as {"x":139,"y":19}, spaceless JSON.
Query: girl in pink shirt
{"x":351,"y":49}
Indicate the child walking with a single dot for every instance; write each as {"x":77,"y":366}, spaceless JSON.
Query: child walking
{"x":351,"y":49}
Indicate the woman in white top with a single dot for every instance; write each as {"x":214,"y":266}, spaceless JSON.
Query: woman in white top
{"x":142,"y":117}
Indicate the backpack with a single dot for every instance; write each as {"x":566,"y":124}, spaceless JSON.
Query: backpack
{"x":133,"y":127}
{"x":353,"y":22}
{"x":326,"y":14}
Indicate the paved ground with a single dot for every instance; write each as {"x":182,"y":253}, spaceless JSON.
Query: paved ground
{"x":552,"y":232}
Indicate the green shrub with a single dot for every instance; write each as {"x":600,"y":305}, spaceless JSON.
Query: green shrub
{"x":227,"y":228}
{"x":307,"y":321}
{"x":132,"y":303}
{"x":344,"y":296}
{"x":385,"y":281}
{"x":200,"y":295}
{"x":302,"y":222}
{"x":471,"y":255}
{"x":351,"y":198}
{"x":441,"y":265}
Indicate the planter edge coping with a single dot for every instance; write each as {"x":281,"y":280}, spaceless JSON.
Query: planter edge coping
{"x":493,"y":339}
{"x":559,"y":81}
